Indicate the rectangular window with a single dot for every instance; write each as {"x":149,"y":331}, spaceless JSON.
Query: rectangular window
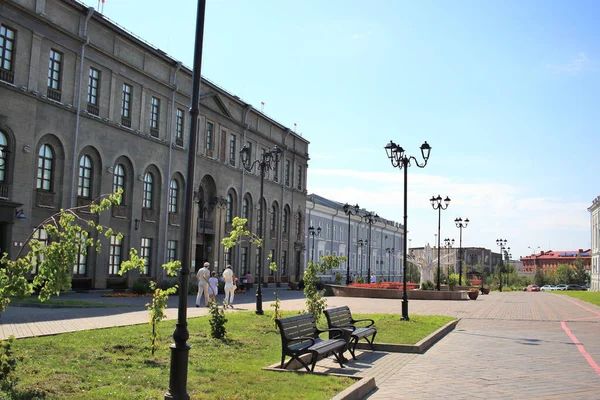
{"x":7,"y":50}
{"x":126,"y":105}
{"x":54,"y":74}
{"x":287,"y":172}
{"x":80,"y":264}
{"x":283,"y":267}
{"x":146,"y":255}
{"x":114,"y":259}
{"x":171,"y":250}
{"x":154,"y":114}
{"x":93,"y":86}
{"x":244,"y":260}
{"x":179,"y":126}
{"x":232,"y":150}
{"x":209,"y":136}
{"x":299,"y":177}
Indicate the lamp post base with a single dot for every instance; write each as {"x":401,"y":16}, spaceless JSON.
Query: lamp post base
{"x":259,"y":309}
{"x":405,"y":309}
{"x":179,"y":368}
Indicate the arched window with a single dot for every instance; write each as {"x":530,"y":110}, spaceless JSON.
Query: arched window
{"x":273,"y":218}
{"x":245,"y":210}
{"x":3,"y":156}
{"x":173,"y":195}
{"x":45,"y":168}
{"x":84,"y":183}
{"x":147,"y":195}
{"x":119,"y":179}
{"x":229,"y":212}
{"x":285,"y":222}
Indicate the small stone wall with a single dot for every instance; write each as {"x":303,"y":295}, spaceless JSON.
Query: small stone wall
{"x":349,"y":291}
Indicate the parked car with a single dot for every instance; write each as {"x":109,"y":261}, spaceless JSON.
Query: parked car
{"x":562,"y":286}
{"x":533,"y":288}
{"x":547,"y":288}
{"x":575,"y":287}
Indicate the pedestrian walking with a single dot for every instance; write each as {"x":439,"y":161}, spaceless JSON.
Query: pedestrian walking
{"x":202,"y":276}
{"x":230,"y":287}
{"x":213,"y":286}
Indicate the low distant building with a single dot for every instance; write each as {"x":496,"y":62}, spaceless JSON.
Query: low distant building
{"x":551,"y":259}
{"x":595,"y":225}
{"x":474,"y":258}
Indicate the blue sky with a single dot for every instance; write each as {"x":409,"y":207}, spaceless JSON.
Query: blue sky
{"x":505,"y":92}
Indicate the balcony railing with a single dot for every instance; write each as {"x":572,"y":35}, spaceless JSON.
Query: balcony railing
{"x":7,"y":76}
{"x":93,"y":109}
{"x":126,"y":121}
{"x":179,"y":141}
{"x":53,"y":94}
{"x":4,"y":190}
{"x":44,"y":198}
{"x":154,"y":132}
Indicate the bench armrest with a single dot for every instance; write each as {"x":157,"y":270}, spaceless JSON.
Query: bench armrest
{"x":341,"y":331}
{"x":363,"y":320}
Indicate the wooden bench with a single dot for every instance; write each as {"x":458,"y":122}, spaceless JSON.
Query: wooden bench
{"x":341,"y":318}
{"x":300,"y":336}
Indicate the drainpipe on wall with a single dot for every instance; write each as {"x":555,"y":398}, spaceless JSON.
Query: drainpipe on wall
{"x":170,"y":162}
{"x":90,"y":12}
{"x":282,"y":182}
{"x":243,"y":189}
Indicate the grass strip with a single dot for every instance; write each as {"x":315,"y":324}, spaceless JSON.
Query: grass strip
{"x":590,"y":297}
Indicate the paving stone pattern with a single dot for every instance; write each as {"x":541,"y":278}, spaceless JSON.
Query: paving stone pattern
{"x":506,"y":346}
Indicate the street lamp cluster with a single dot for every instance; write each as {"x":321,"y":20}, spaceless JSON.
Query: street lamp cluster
{"x":436,"y":203}
{"x":503,"y":251}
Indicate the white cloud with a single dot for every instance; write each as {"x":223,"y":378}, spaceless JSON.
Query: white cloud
{"x":580,"y":62}
{"x":495,"y":209}
{"x":360,"y":35}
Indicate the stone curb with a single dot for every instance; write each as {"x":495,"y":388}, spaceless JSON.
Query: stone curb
{"x":419,"y":348}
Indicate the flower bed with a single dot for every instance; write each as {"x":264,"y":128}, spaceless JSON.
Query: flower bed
{"x":386,"y":285}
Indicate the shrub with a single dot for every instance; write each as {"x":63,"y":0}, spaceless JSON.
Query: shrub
{"x":167,"y":284}
{"x":301,"y":284}
{"x":427,"y":285}
{"x":319,"y":285}
{"x":8,"y":362}
{"x":217,"y":321}
{"x":360,"y":279}
{"x":452,"y":281}
{"x":141,"y":286}
{"x":338,"y":278}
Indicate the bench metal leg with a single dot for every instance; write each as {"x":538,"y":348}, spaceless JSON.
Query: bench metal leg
{"x":300,"y":361}
{"x":339,"y":357}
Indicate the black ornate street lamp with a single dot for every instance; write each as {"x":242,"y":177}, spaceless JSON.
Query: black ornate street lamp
{"x":401,"y":160}
{"x":436,"y":203}
{"x":313,"y":232}
{"x":361,"y":243}
{"x":449,"y":242}
{"x":370,"y":219}
{"x":349,"y":210}
{"x":502,"y":244}
{"x":180,"y":349}
{"x":268,"y":160}
{"x":460,"y":223}
{"x":390,"y":251}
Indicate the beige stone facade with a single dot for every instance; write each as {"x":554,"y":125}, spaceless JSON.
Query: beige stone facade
{"x":86,"y":107}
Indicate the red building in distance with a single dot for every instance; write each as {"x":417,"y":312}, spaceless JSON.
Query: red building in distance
{"x":552,"y":259}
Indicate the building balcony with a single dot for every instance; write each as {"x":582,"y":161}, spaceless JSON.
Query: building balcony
{"x":154,"y":132}
{"x":93,"y":109}
{"x":7,"y":76}
{"x":205,"y":226}
{"x":179,"y":141}
{"x":119,"y":211}
{"x":54,"y":94}
{"x":126,"y":121}
{"x":4,"y":188}
{"x":44,"y":199}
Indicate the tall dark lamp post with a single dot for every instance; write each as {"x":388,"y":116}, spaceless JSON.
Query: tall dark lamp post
{"x":268,"y":160}
{"x":502,"y":244}
{"x":180,"y":349}
{"x":313,"y":232}
{"x":401,"y":160}
{"x":389,"y":252}
{"x":350,"y":211}
{"x":449,"y":243}
{"x":370,"y":219}
{"x":361,"y":243}
{"x":436,"y":203}
{"x":460,"y":223}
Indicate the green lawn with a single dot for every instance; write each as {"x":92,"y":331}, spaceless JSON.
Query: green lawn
{"x":64,"y":303}
{"x":116,"y":363}
{"x":590,"y":297}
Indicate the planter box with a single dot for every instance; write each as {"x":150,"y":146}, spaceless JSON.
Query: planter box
{"x":349,"y":291}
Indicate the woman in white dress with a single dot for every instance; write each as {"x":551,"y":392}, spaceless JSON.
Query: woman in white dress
{"x":230,"y":287}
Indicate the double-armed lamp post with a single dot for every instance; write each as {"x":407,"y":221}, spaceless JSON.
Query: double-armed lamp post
{"x":436,"y":203}
{"x":313,"y":232}
{"x":268,"y":160}
{"x":401,"y":160}
{"x":449,"y":243}
{"x":502,"y":244}
{"x":370,"y":219}
{"x":460,"y":223}
{"x":350,"y":211}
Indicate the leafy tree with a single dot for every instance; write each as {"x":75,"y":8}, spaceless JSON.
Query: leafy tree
{"x":564,"y":274}
{"x":540,"y":278}
{"x":315,"y":303}
{"x":580,"y":275}
{"x":67,"y":237}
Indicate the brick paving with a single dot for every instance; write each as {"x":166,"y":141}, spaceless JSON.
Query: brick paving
{"x":506,"y":346}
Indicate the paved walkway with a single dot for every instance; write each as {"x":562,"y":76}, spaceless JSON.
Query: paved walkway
{"x":506,"y":346}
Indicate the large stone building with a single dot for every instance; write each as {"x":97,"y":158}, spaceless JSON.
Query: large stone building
{"x":376,"y":245}
{"x":594,"y":210}
{"x":87,"y":108}
{"x":550,"y":259}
